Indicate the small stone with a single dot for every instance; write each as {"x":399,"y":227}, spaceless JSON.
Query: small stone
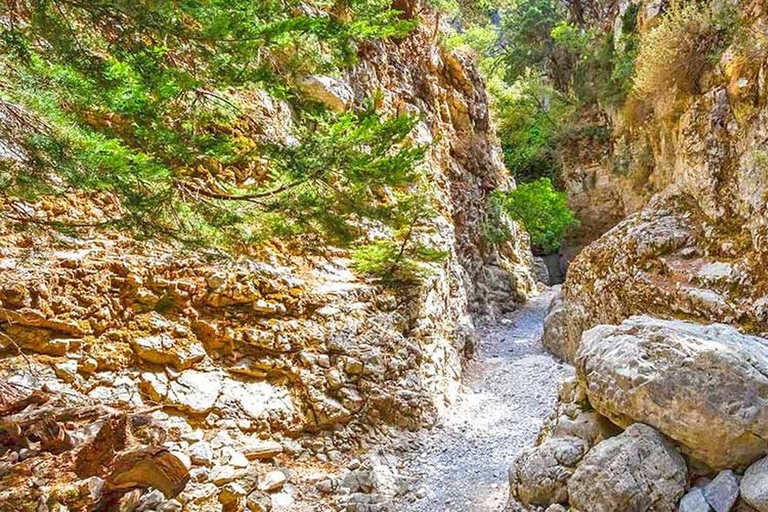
{"x":169,"y":506}
{"x":66,"y":371}
{"x":201,"y":453}
{"x":150,"y":500}
{"x":193,"y":437}
{"x":326,"y":486}
{"x":282,"y":500}
{"x":353,"y":366}
{"x":162,"y":349}
{"x":273,"y":481}
{"x":694,"y":501}
{"x":263,"y":450}
{"x":722,"y":492}
{"x":222,"y":439}
{"x":221,"y":475}
{"x":239,"y":460}
{"x":231,"y":493}
{"x":421,"y":493}
{"x":88,"y":365}
{"x":257,"y":501}
{"x":199,"y":475}
{"x":334,"y":93}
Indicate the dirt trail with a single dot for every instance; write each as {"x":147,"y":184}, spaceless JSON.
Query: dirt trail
{"x":509,"y":389}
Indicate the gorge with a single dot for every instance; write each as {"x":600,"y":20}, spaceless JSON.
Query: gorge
{"x":275,"y":264}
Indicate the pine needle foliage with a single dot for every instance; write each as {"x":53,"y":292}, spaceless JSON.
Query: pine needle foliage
{"x":144,"y":99}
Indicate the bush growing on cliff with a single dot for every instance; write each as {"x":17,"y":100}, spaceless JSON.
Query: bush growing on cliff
{"x":542,"y":210}
{"x":531,"y":116}
{"x":674,"y":54}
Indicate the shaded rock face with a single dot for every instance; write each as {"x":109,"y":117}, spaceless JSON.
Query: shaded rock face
{"x":638,"y":470}
{"x":445,"y":89}
{"x":563,"y":328}
{"x":705,"y":387}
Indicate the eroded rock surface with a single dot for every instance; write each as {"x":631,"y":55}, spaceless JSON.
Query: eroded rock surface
{"x":638,"y":470}
{"x":295,"y":348}
{"x":703,"y":386}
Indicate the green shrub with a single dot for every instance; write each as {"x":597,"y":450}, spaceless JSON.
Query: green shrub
{"x":542,"y":210}
{"x":531,"y":116}
{"x":406,"y":256}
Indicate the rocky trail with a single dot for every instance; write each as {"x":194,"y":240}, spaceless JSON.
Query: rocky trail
{"x":509,"y":389}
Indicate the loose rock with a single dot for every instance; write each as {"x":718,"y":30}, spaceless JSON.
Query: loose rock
{"x":706,"y":387}
{"x":754,"y":485}
{"x":722,"y":492}
{"x":637,"y":470}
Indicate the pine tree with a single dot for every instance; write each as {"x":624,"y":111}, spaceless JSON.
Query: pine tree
{"x":144,"y":99}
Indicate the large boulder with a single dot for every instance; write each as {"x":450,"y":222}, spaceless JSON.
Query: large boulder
{"x":540,"y":474}
{"x":706,"y":387}
{"x":638,"y":470}
{"x":563,"y":326}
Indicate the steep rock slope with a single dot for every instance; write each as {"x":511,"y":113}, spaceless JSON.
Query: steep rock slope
{"x":695,"y":178}
{"x":258,"y":349}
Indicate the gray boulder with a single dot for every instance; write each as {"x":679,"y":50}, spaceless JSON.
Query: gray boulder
{"x":540,"y":474}
{"x":706,"y":387}
{"x":636,"y":471}
{"x":563,"y":326}
{"x":754,"y":485}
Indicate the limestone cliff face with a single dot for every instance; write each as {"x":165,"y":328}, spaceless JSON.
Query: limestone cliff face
{"x":280,"y":347}
{"x":694,"y":185}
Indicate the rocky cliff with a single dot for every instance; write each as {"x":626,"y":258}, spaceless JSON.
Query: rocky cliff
{"x":238,"y":358}
{"x":658,"y":313}
{"x":692,"y":182}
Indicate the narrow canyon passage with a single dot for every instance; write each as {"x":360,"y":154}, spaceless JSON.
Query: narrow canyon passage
{"x":509,"y":389}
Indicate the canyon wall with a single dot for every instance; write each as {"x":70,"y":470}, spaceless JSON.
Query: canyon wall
{"x":262,"y":349}
{"x":691,"y":181}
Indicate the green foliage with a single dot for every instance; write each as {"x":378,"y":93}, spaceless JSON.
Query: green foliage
{"x":531,"y":117}
{"x":150,"y":101}
{"x":572,"y":38}
{"x":543,"y":65}
{"x":405,"y":257}
{"x":387,"y":261}
{"x":527,"y":27}
{"x":542,"y":210}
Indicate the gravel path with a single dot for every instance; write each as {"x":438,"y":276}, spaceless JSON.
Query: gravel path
{"x":510,"y":388}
